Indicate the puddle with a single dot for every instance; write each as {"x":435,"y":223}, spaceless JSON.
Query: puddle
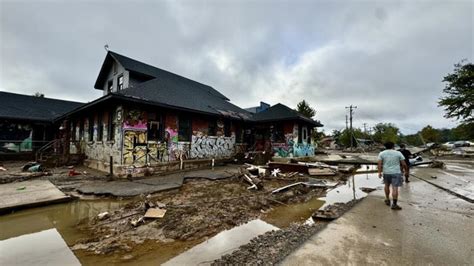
{"x":284,"y":215}
{"x":42,"y":248}
{"x":223,"y":243}
{"x":351,"y":190}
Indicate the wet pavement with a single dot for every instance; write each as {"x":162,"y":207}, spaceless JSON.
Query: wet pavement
{"x":434,"y":227}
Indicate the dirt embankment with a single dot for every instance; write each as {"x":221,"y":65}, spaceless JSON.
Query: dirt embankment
{"x":197,"y":210}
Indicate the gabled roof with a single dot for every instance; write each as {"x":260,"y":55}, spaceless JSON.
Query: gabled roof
{"x":19,"y":106}
{"x":138,"y":67}
{"x":180,"y":94}
{"x":280,"y":112}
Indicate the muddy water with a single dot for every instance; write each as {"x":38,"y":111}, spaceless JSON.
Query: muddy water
{"x":351,"y":190}
{"x":283,"y":215}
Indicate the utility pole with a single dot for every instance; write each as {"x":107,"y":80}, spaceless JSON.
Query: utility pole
{"x":346,"y":121}
{"x":365,"y":128}
{"x":351,"y":111}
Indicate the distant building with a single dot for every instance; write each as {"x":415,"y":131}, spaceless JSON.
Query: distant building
{"x":26,"y":122}
{"x":257,"y":109}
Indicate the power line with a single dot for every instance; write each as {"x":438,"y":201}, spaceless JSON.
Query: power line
{"x":351,"y":112}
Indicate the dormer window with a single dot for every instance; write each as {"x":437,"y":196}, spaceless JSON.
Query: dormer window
{"x":120,"y":83}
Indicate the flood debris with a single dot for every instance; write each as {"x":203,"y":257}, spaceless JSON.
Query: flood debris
{"x":154,"y":213}
{"x":437,"y":164}
{"x":334,"y":211}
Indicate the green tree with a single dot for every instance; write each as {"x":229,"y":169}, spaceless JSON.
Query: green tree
{"x":304,"y":109}
{"x":345,"y":137}
{"x":384,"y":132}
{"x":430,"y":134}
{"x":463,"y":132}
{"x":458,"y":101}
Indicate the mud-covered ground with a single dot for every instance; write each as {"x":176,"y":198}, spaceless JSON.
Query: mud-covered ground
{"x":199,"y":209}
{"x":272,"y":247}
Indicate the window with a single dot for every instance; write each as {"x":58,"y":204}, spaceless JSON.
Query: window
{"x":120,"y":83}
{"x":184,"y":130}
{"x":91,"y":128}
{"x":73,"y":131}
{"x":278,"y":134}
{"x":238,"y":134}
{"x":299,"y":134}
{"x":110,"y":86}
{"x":154,"y":132}
{"x":212,"y":130}
{"x":227,"y":128}
{"x":81,"y":129}
{"x":305,"y":134}
{"x":111,"y":127}
{"x":100,"y":127}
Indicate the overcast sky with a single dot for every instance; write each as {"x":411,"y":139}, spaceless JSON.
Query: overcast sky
{"x":386,"y":57}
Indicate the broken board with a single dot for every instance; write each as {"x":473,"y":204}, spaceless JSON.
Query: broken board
{"x":155,"y":213}
{"x":321,"y":172}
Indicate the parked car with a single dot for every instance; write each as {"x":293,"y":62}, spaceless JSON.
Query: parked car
{"x":449,"y":144}
{"x":462,"y":143}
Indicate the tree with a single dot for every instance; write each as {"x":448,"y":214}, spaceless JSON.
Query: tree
{"x":344,"y":137}
{"x":430,"y":134}
{"x":304,"y":109}
{"x":459,"y":99}
{"x":38,"y":94}
{"x":384,"y":132}
{"x":463,"y":132}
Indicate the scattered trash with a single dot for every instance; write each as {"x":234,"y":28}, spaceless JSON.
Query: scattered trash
{"x":36,"y":168}
{"x":434,"y":177}
{"x":103,"y":215}
{"x":437,"y":164}
{"x":155,"y":213}
{"x":73,"y":172}
{"x":367,"y":189}
{"x":136,"y":222}
{"x":321,"y":172}
{"x":21,"y":188}
{"x":275,"y":172}
{"x":2,"y":168}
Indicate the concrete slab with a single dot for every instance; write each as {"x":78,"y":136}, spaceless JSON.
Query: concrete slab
{"x":42,"y":248}
{"x":434,"y":228}
{"x":457,"y":177}
{"x":28,"y":194}
{"x":223,"y":243}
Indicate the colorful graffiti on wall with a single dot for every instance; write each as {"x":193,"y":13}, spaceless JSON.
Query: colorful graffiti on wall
{"x":134,"y":147}
{"x":135,"y":119}
{"x":303,"y":149}
{"x":284,"y":149}
{"x":212,"y":146}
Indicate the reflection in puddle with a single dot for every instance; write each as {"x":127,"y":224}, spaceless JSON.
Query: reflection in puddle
{"x":351,"y":190}
{"x":284,"y":215}
{"x":41,"y":248}
{"x":223,"y":243}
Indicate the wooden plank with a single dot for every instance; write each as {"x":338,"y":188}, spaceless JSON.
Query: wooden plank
{"x":321,"y":172}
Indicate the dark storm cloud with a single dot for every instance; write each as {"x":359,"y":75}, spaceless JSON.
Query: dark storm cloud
{"x":386,"y":57}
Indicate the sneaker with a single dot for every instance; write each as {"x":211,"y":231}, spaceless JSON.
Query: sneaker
{"x":387,"y":202}
{"x":395,"y":207}
{"x":407,"y":181}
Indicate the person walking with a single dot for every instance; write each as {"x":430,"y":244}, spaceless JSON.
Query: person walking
{"x":391,"y":163}
{"x":407,"y":154}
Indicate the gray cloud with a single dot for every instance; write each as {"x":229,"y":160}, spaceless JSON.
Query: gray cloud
{"x":386,"y":57}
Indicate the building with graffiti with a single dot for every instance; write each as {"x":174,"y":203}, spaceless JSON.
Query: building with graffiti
{"x":148,"y":116}
{"x":284,"y":132}
{"x":27,"y":122}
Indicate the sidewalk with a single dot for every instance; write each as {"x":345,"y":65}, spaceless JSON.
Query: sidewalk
{"x":434,"y":227}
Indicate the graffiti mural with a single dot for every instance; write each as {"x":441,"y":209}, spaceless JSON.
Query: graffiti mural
{"x":135,"y":119}
{"x":284,"y":149}
{"x":212,"y":146}
{"x":134,"y":147}
{"x":303,"y":149}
